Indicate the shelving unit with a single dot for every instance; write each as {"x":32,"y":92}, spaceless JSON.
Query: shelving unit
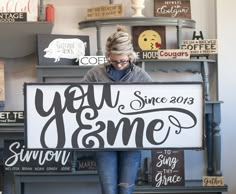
{"x":137,"y":21}
{"x":18,"y":39}
{"x":21,"y":41}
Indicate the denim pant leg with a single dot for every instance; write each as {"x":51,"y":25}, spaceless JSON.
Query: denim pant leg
{"x":107,"y":169}
{"x":128,"y":167}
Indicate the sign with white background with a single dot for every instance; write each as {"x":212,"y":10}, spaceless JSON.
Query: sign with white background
{"x":28,"y":6}
{"x":114,"y":116}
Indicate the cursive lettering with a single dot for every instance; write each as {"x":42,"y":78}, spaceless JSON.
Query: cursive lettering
{"x":19,"y":154}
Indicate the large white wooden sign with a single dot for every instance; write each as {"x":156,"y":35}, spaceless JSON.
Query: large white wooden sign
{"x":114,"y":116}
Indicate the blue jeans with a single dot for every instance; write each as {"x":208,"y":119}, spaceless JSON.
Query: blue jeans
{"x":117,"y":170}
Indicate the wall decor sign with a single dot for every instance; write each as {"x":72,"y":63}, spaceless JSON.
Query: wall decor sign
{"x":18,"y":158}
{"x":56,"y":49}
{"x":168,"y":168}
{"x":11,"y":117}
{"x":147,"y":40}
{"x":114,"y":116}
{"x":13,"y":17}
{"x":86,"y":163}
{"x":201,"y":47}
{"x":106,"y":11}
{"x":30,"y":7}
{"x":173,"y":54}
{"x":92,"y":60}
{"x":213,"y":181}
{"x":172,"y":8}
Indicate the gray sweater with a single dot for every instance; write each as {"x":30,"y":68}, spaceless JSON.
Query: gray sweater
{"x":101,"y":73}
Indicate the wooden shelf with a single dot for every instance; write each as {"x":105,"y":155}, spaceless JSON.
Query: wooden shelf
{"x":191,"y":186}
{"x":179,"y":23}
{"x":138,"y":21}
{"x":18,"y":39}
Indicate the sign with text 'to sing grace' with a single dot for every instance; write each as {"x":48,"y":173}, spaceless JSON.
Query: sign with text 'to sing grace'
{"x":114,"y":115}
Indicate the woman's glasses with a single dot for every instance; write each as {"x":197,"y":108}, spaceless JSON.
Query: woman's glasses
{"x":121,"y":62}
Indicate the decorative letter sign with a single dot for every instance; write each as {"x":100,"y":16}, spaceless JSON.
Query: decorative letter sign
{"x":114,"y":116}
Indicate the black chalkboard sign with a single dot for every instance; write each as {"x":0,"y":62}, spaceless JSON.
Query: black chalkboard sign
{"x":167,"y":168}
{"x":18,"y":158}
{"x":11,"y":117}
{"x":54,"y":49}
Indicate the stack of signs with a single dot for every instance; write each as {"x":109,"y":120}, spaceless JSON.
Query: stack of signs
{"x":167,"y":168}
{"x":147,"y":40}
{"x":172,"y":8}
{"x":18,"y":10}
{"x":61,"y":49}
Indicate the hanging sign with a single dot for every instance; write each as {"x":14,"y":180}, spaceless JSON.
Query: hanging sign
{"x":114,"y":116}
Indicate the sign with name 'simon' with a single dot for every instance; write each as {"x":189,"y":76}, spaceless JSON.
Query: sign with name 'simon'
{"x":114,"y":115}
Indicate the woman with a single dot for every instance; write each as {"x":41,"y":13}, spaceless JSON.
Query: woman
{"x":118,"y":169}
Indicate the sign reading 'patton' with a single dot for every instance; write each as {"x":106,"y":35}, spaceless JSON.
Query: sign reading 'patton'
{"x":114,"y":116}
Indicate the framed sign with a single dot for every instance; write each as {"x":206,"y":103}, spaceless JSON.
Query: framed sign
{"x":17,"y":158}
{"x":56,"y":49}
{"x":114,"y":115}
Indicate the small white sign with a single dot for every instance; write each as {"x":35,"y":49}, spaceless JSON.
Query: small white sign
{"x":28,"y":6}
{"x":114,"y":116}
{"x":91,"y":60}
{"x":174,"y":54}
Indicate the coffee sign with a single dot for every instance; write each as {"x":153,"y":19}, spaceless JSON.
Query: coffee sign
{"x":201,"y":47}
{"x":114,"y":115}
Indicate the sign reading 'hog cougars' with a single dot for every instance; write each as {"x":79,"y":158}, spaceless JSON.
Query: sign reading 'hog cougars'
{"x":61,"y":49}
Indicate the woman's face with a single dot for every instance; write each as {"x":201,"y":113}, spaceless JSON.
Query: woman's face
{"x":119,"y":61}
